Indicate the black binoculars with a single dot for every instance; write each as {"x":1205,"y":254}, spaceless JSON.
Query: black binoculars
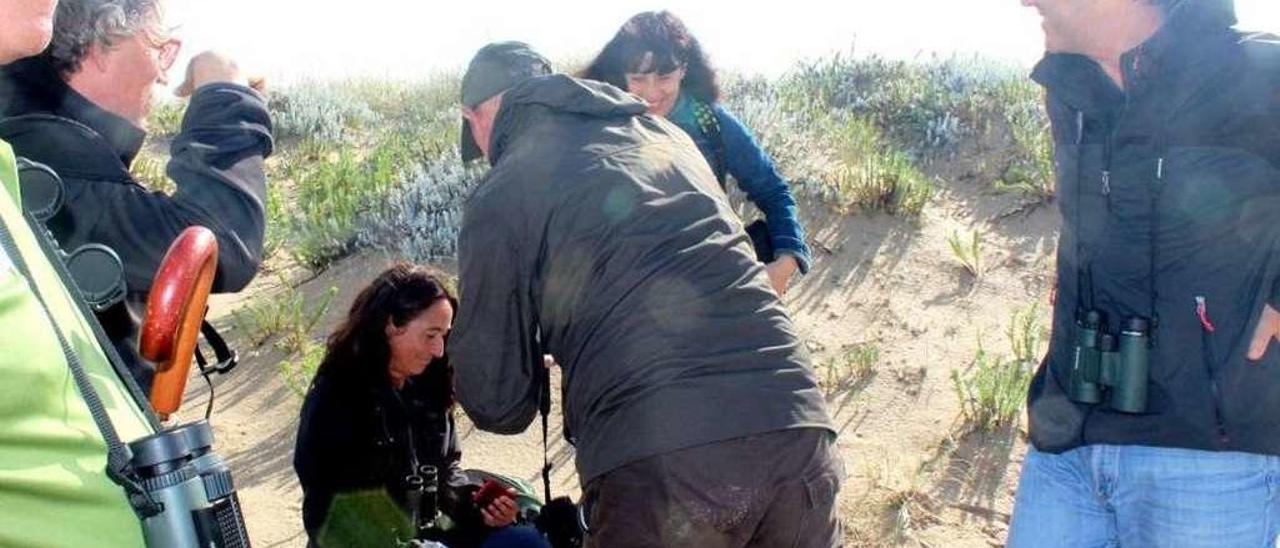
{"x":96,"y":269}
{"x":423,"y":498}
{"x":1111,"y":368}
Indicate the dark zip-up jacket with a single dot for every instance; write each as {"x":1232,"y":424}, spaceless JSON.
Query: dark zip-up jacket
{"x":356,"y":434}
{"x":600,"y":236}
{"x":217,"y":164}
{"x":1169,"y":192}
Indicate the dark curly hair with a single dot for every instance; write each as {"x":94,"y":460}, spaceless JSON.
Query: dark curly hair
{"x":358,"y":350}
{"x":666,"y":37}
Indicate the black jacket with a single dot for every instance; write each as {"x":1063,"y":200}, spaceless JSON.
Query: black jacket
{"x":217,"y":165}
{"x":1169,"y":192}
{"x":601,"y":237}
{"x":358,"y":434}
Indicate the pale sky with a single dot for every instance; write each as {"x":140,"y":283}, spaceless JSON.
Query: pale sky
{"x":287,"y":39}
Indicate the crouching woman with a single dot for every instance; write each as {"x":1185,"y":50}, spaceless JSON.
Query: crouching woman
{"x":379,"y":415}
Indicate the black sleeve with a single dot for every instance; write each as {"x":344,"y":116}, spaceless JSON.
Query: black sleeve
{"x":324,"y":453}
{"x":494,"y":348}
{"x":456,"y":488}
{"x":453,"y":475}
{"x":218,"y":164}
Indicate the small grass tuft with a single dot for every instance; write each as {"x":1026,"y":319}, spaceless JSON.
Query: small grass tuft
{"x":967,"y":251}
{"x":855,"y":365}
{"x":287,"y":316}
{"x":993,"y":391}
{"x":301,"y":368}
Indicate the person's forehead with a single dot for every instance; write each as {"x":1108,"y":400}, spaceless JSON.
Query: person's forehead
{"x":649,"y":63}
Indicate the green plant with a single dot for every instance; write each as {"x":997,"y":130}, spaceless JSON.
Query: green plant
{"x":1027,"y":335}
{"x":149,"y":171}
{"x":869,"y":175}
{"x":301,"y":319}
{"x":333,"y":193}
{"x":288,"y":316}
{"x":165,"y":118}
{"x":994,"y":390}
{"x":301,"y":368}
{"x":855,"y":364}
{"x":967,"y":251}
{"x":1030,"y":169}
{"x":277,"y":220}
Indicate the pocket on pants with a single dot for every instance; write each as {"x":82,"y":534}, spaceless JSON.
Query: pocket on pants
{"x":819,"y":525}
{"x":821,"y":491}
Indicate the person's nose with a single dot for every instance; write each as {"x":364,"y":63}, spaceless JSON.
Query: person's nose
{"x":650,"y":95}
{"x":648,"y":92}
{"x":437,"y":349}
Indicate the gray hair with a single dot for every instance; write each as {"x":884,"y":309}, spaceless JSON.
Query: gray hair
{"x":79,"y":25}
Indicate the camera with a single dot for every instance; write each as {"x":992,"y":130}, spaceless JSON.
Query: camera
{"x":1111,"y":369}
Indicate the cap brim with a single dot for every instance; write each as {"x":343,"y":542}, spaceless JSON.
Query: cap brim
{"x":469,"y":149}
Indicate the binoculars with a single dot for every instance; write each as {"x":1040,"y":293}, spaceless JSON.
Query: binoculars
{"x":197,"y":500}
{"x":423,"y":498}
{"x":97,"y":269}
{"x":1109,"y":368}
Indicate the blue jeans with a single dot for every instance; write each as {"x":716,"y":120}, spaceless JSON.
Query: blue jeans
{"x":515,"y":537}
{"x":1140,"y":497}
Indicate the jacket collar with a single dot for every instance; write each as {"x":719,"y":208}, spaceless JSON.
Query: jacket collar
{"x":33,"y":86}
{"x":559,"y":93}
{"x":1181,"y":46}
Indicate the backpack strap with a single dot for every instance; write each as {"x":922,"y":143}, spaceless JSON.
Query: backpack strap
{"x":705,"y":116}
{"x":118,"y":467}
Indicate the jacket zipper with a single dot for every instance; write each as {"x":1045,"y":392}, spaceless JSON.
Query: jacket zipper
{"x":1210,"y":360}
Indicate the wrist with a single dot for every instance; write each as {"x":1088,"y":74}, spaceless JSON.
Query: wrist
{"x":786,"y":262}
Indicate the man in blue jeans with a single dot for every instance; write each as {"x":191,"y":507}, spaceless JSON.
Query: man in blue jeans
{"x":1155,"y":418}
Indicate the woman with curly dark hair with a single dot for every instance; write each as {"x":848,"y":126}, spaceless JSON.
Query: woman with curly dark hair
{"x":379,"y":410}
{"x":654,"y":57}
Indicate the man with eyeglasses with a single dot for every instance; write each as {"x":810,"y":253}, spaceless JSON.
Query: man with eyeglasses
{"x":81,"y":107}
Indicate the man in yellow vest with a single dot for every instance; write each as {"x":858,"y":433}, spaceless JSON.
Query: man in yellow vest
{"x":54,"y":490}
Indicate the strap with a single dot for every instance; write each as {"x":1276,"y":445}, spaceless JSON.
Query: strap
{"x":118,"y":456}
{"x":53,"y":253}
{"x":204,"y":373}
{"x":705,"y":116}
{"x":225,"y":358}
{"x":544,"y":409}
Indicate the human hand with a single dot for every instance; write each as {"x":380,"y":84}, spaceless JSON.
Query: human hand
{"x":1268,"y":329}
{"x":549,"y":361}
{"x":502,"y":511}
{"x":210,"y":67}
{"x":780,"y":272}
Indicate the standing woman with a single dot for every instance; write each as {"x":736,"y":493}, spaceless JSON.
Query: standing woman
{"x":654,"y":57}
{"x":381,"y":408}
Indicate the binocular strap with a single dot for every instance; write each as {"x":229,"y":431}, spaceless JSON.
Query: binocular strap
{"x":118,"y":468}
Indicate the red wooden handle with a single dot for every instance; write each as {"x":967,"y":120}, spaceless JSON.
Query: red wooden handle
{"x":175,"y":310}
